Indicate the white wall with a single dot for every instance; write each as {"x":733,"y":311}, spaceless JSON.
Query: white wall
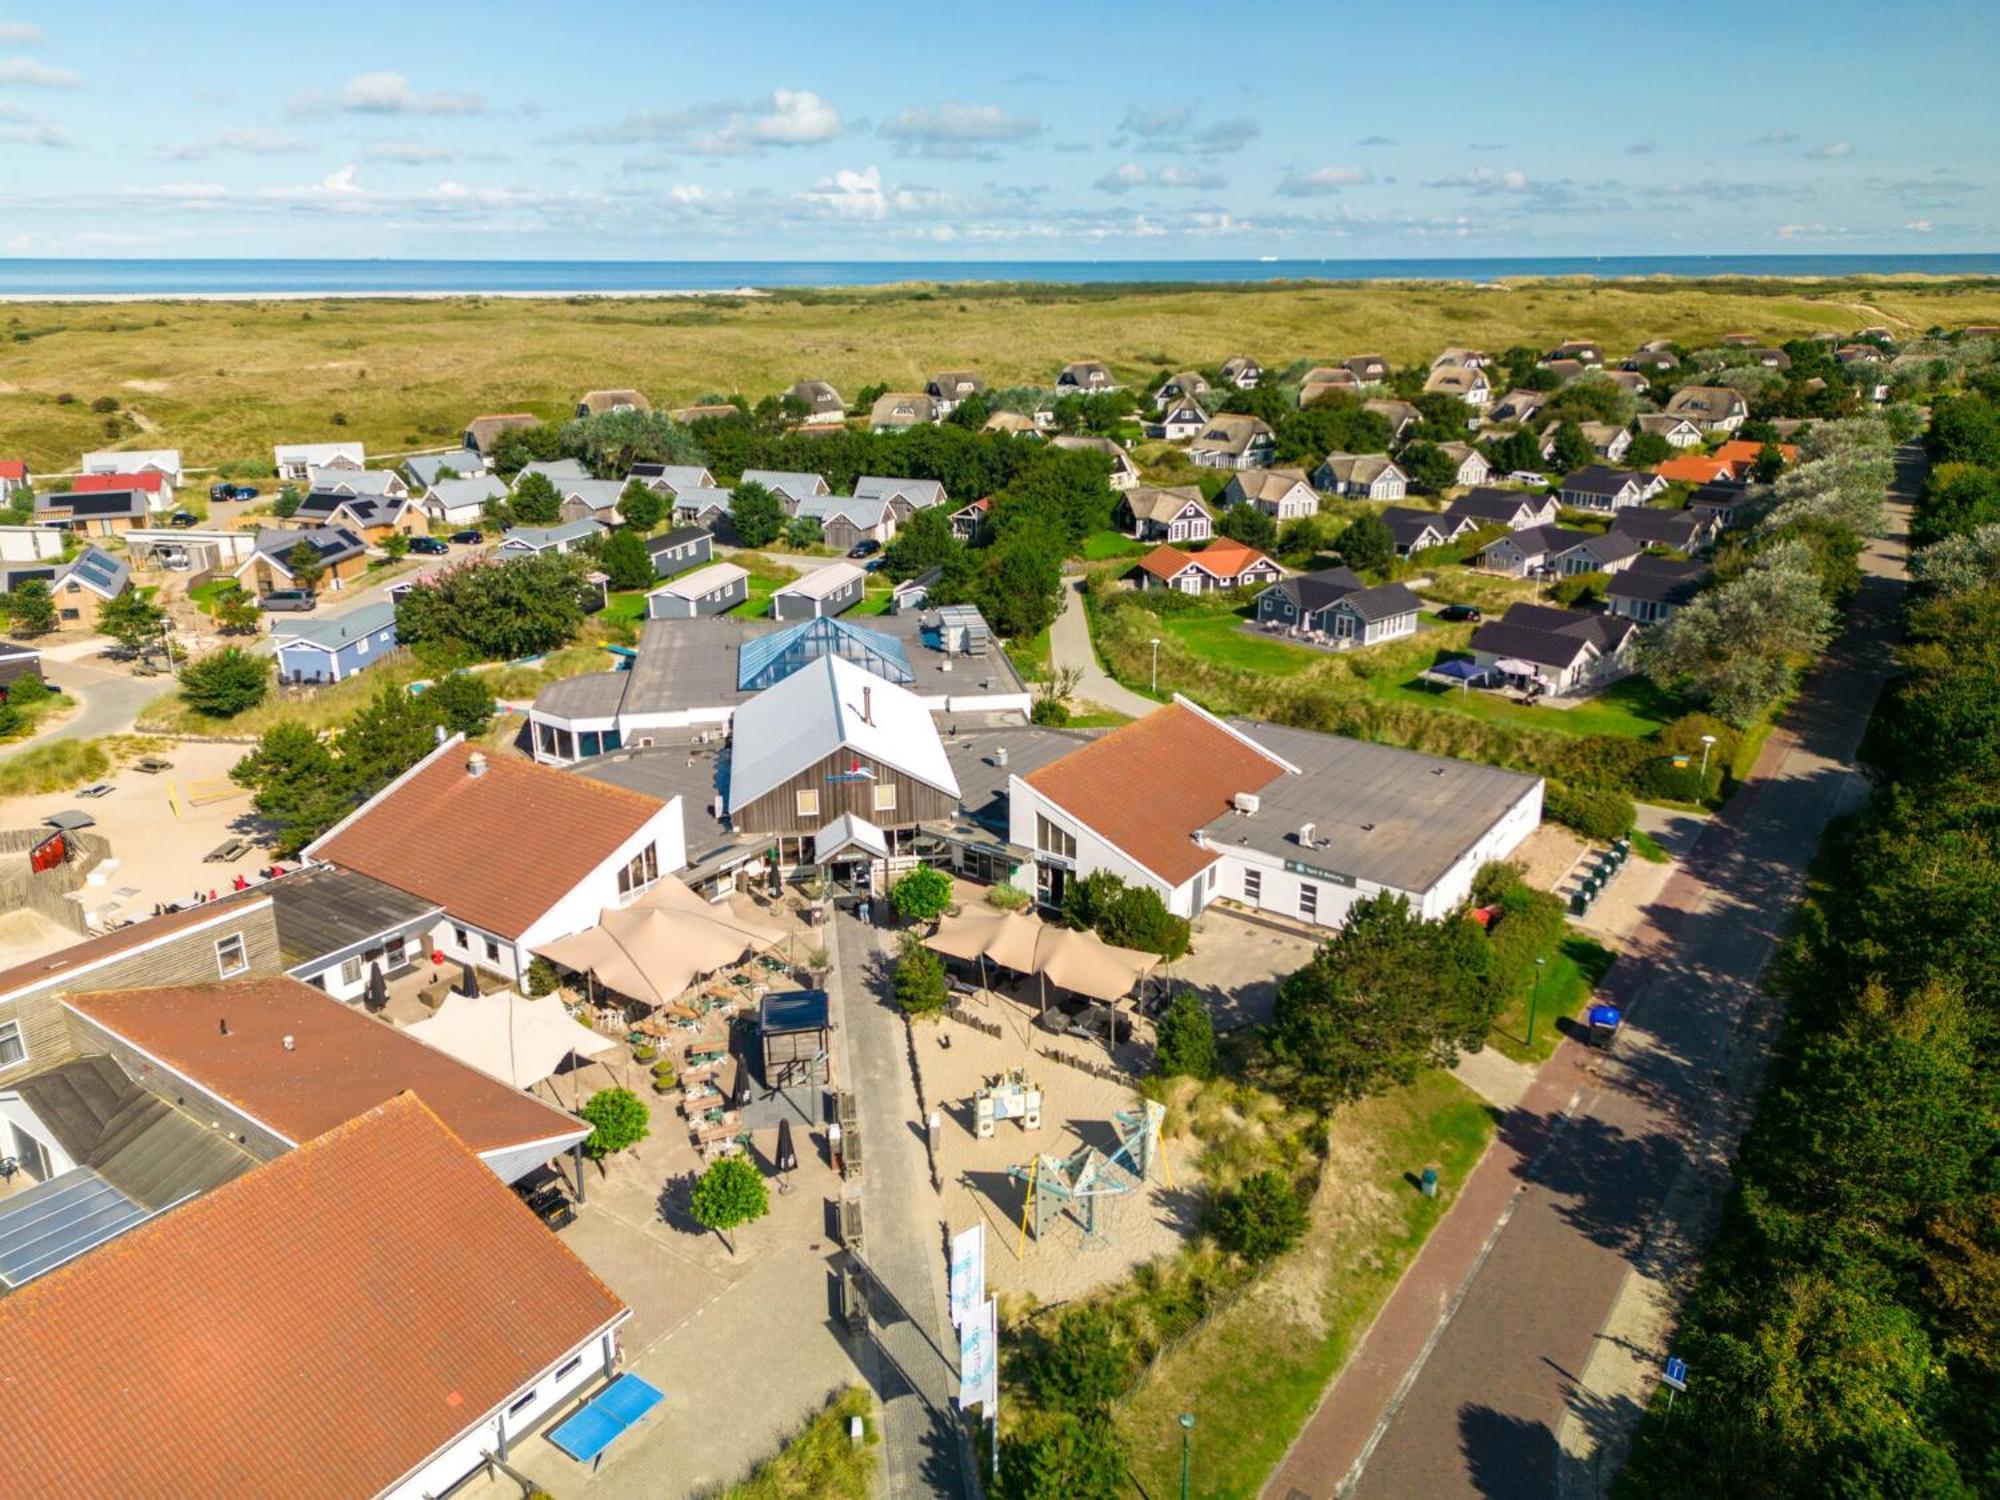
{"x":14,"y":1110}
{"x":589,"y":896}
{"x":29,"y":543}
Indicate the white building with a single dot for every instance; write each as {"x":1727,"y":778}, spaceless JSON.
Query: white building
{"x":1286,"y":821}
{"x":301,"y":460}
{"x":165,"y":461}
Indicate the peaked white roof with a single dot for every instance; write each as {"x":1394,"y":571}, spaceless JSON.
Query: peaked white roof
{"x":821,"y":582}
{"x":701,"y":581}
{"x":817,"y":711}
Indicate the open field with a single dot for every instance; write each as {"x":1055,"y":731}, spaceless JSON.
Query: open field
{"x":224,"y":380}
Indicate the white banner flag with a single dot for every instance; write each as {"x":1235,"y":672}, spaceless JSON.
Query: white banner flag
{"x":979,"y":1357}
{"x":968,"y":1273}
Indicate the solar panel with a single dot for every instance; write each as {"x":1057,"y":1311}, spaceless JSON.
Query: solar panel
{"x":58,"y":1220}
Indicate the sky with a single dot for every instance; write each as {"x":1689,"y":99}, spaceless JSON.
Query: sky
{"x":1030,"y":131}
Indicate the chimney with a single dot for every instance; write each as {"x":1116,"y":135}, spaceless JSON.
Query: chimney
{"x":475,"y":764}
{"x":868,"y":706}
{"x":290,"y":1044}
{"x":999,"y":755}
{"x":223,"y":1023}
{"x":437,"y":735}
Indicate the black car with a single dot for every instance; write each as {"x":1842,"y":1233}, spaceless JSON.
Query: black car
{"x":1461,"y":614}
{"x":430,"y":546}
{"x":183,"y":518}
{"x":468,"y":538}
{"x":232,"y":492}
{"x":866,"y":547}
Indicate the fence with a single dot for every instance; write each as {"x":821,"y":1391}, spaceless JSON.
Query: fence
{"x":47,"y":892}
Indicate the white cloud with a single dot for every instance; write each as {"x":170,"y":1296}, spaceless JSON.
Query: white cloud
{"x":1317,"y":181}
{"x":25,"y":70}
{"x":1484,"y":180}
{"x":1189,"y":177}
{"x":410,"y":153}
{"x":39,"y":133}
{"x":1920,"y":226}
{"x":956,"y":124}
{"x":792,"y":117}
{"x":850,"y":195}
{"x":1157,"y":120}
{"x":1830,"y":151}
{"x":1225,"y":136}
{"x":1123,"y":178}
{"x":237,"y":140}
{"x":641,"y":127}
{"x":20,"y":34}
{"x":389,"y":94}
{"x":1777,"y":135}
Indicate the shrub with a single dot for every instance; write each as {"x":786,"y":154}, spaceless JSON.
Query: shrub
{"x":1050,"y":711}
{"x":1663,"y":780}
{"x":731,"y":1192}
{"x":226,"y":682}
{"x":1006,"y":897}
{"x":1594,"y":812}
{"x":1262,"y":1218}
{"x":644,"y":1054}
{"x":922,"y":895}
{"x":541,"y":977}
{"x":919,"y":979}
{"x":618,"y":1118}
{"x":25,"y":690}
{"x":1186,"y":1039}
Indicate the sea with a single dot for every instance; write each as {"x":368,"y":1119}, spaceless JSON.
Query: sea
{"x":28,"y":278}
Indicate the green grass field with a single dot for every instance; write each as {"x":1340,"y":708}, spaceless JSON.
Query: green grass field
{"x":1255,"y":1372}
{"x":1632,"y":708}
{"x":820,"y":1463}
{"x":222,"y":381}
{"x":1573,"y":971}
{"x":1102,"y":546}
{"x":1220,"y":638}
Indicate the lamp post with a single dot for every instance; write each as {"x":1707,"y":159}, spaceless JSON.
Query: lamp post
{"x":1707,"y":744}
{"x":1535,"y":999}
{"x":1156,"y":666}
{"x":1187,"y":1435}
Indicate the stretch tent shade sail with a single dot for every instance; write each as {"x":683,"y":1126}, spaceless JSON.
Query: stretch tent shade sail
{"x":1006,"y":938}
{"x":509,"y":1037}
{"x":1080,"y":962}
{"x":652,"y":950}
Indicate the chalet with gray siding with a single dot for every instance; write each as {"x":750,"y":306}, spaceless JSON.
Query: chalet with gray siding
{"x":830,"y":590}
{"x":713,"y":590}
{"x":1335,"y":604}
{"x":680,"y":549}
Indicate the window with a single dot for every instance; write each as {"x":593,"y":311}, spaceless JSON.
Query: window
{"x":563,"y":1372}
{"x":1053,"y":840}
{"x":350,"y":971}
{"x":459,"y":937}
{"x":12,"y":1048}
{"x":232,"y":955}
{"x":392,"y":949}
{"x":1308,"y":900}
{"x":641,"y":872}
{"x":1253,"y":885}
{"x":885,"y":797}
{"x":523,"y":1404}
{"x":808,"y":803}
{"x":492,"y":951}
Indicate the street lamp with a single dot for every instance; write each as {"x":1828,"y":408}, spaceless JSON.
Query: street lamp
{"x":1156,"y":666}
{"x":1187,"y":1434}
{"x":1707,"y":744}
{"x":1535,"y":999}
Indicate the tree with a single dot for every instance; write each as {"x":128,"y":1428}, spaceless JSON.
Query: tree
{"x":1250,"y":525}
{"x":535,"y":501}
{"x":396,"y":546}
{"x":923,"y":542}
{"x":1648,"y":450}
{"x":462,"y":702}
{"x":1516,"y":453}
{"x":640,"y":506}
{"x":542,"y":979}
{"x":1185,"y":1039}
{"x":1387,"y":996}
{"x":32,"y":608}
{"x":1366,"y":544}
{"x":609,"y":443}
{"x":224,"y":683}
{"x":618,"y":1118}
{"x":1431,"y":470}
{"x":1734,"y":646}
{"x":1769,"y":465}
{"x":296,"y":784}
{"x":1127,"y":915}
{"x":922,"y":895}
{"x":626,"y":562}
{"x":1066,"y":1457}
{"x":132,"y":620}
{"x":303,"y":563}
{"x":1571,"y":449}
{"x":1020,"y":586}
{"x":393,"y":731}
{"x":755,"y":514}
{"x":1957,"y":498}
{"x":919,"y":978}
{"x":288,"y":502}
{"x":498,"y":611}
{"x":1262,"y":1218}
{"x":729,"y":1194}
{"x":236,"y":612}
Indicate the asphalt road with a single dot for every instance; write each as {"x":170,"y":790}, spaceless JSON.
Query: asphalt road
{"x":1517,"y":1355}
{"x":1070,"y":646}
{"x":109,"y":701}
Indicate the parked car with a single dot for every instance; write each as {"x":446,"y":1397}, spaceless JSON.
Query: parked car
{"x":429,"y":546}
{"x":232,"y":492}
{"x":866,"y":547}
{"x":468,"y":538}
{"x":283,"y":601}
{"x":1528,"y":476}
{"x":183,"y":518}
{"x":1466,"y":614}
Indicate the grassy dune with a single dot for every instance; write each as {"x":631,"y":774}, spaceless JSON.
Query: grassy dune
{"x":224,"y":380}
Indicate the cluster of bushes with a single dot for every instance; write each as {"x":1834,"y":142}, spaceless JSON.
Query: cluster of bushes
{"x":497,"y":611}
{"x":1844,"y":1338}
{"x":1131,"y":916}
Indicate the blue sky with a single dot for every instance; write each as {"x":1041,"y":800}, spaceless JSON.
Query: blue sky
{"x":1027,"y":131}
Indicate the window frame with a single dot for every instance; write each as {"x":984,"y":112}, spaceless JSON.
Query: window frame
{"x":805,"y":802}
{"x":1309,"y":900}
{"x":1253,"y":885}
{"x":10,"y":1031}
{"x":885,"y":796}
{"x":241,"y":944}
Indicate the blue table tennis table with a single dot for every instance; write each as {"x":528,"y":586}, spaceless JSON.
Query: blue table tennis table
{"x":585,"y":1436}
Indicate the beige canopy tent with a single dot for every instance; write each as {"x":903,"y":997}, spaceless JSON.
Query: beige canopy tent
{"x":1081,"y":962}
{"x":654,"y":949}
{"x":508,"y":1036}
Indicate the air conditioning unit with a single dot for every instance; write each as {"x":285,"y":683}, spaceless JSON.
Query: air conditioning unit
{"x":1306,"y":831}
{"x":1246,"y":802}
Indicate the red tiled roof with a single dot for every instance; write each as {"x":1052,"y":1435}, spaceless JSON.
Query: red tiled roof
{"x":1227,"y":558}
{"x":1165,"y":562}
{"x":148,"y":480}
{"x":1147,"y":787}
{"x":341,"y":1062}
{"x":496,"y":850}
{"x":321,"y":1326}
{"x":13,"y":468}
{"x":1695,"y":470}
{"x":1744,"y":452}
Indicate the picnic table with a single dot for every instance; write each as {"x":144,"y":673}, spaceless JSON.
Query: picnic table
{"x":227,"y":850}
{"x":97,"y":789}
{"x":152,"y":765}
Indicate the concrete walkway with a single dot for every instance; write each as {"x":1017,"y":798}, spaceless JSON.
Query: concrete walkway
{"x":912,"y":1360}
{"x":1069,"y":646}
{"x":1518,"y":1353}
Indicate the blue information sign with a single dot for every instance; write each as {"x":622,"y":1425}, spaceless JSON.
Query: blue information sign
{"x":1677,"y":1373}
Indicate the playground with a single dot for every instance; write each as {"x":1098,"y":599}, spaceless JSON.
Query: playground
{"x":1098,"y":1219}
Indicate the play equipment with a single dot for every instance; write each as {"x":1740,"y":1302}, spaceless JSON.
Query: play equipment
{"x":1008,"y":1096}
{"x":1073,"y":1184}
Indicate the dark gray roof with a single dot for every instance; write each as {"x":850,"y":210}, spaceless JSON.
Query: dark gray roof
{"x":1383,"y":602}
{"x":680,"y":536}
{"x":1600,"y":479}
{"x":1392,"y":817}
{"x":330,"y":542}
{"x":594,"y":695}
{"x":1613,"y":545}
{"x":1720,"y":495}
{"x":1532,"y":540}
{"x":1676,"y":528}
{"x":1407,"y":524}
{"x":1659,"y":579}
{"x":1484,"y":503}
{"x":1313,"y":591}
{"x":98,"y":503}
{"x":1545,"y":648}
{"x":320,"y":910}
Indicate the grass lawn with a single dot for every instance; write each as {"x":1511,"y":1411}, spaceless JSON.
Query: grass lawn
{"x":62,"y":764}
{"x":1031,"y":656}
{"x":1219,"y":638}
{"x":628,"y":608}
{"x":1632,"y":708}
{"x":1255,"y":1373}
{"x":205,"y":595}
{"x":1647,"y":847}
{"x":1102,"y":546}
{"x":1098,"y":718}
{"x":33,"y":713}
{"x":1573,"y":971}
{"x":767,"y":576}
{"x":820,"y":1460}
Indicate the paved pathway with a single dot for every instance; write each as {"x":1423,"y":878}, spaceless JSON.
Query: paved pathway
{"x":1069,"y":646}
{"x":1517,"y":1354}
{"x":109,"y":702}
{"x":914,"y":1353}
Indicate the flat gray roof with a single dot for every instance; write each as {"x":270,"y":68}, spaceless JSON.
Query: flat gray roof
{"x":322,"y":909}
{"x":1392,"y":817}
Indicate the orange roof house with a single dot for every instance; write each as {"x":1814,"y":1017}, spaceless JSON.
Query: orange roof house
{"x":1694,"y":469}
{"x":1744,"y":453}
{"x":1223,"y":564}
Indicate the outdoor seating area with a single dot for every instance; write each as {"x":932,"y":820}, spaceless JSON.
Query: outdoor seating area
{"x":1299,"y":635}
{"x":1079,"y":965}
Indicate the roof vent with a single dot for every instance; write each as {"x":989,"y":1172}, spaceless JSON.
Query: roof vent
{"x":475,"y":764}
{"x":291,"y":1043}
{"x":999,"y":755}
{"x":1306,"y":835}
{"x":1201,"y":838}
{"x":222,"y":1024}
{"x":1247,"y":802}
{"x":1367,"y":827}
